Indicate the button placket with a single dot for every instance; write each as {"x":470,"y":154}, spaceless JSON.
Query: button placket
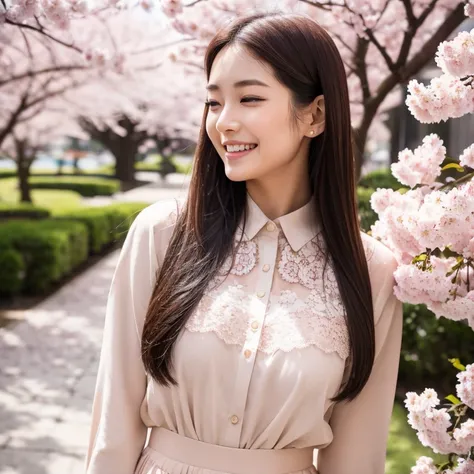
{"x":268,"y":246}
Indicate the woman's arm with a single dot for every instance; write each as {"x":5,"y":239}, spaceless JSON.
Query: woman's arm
{"x":360,"y":427}
{"x":117,"y":433}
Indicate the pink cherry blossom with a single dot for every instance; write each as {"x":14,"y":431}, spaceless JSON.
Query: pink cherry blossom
{"x":424,"y":465}
{"x":456,"y":57}
{"x":421,"y":166}
{"x":465,"y":388}
{"x":467,"y":157}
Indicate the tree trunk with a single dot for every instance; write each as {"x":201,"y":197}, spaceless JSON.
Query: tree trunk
{"x":360,"y":139}
{"x":75,"y":164}
{"x":124,"y":148}
{"x":125,"y":153}
{"x":23,"y":169}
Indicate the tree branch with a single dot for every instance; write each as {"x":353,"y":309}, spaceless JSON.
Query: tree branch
{"x":380,"y":48}
{"x":43,"y":32}
{"x":37,"y":73}
{"x":409,"y":12}
{"x":361,"y":66}
{"x":423,"y":57}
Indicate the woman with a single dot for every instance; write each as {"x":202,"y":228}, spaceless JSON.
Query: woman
{"x":254,"y":325}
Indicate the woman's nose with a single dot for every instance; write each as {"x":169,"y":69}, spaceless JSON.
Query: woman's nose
{"x":226,"y":123}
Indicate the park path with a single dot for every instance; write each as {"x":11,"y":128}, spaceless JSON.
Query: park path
{"x":48,"y":365}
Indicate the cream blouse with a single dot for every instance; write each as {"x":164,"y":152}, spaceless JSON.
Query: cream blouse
{"x":259,"y":358}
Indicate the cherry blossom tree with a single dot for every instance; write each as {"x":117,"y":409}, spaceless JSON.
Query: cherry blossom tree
{"x":28,"y":139}
{"x":383,"y":43}
{"x":430,"y":229}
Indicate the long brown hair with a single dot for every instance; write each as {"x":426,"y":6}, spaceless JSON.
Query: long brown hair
{"x":305,"y":59}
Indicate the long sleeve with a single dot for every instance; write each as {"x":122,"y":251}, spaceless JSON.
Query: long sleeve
{"x":117,"y":433}
{"x":360,"y":427}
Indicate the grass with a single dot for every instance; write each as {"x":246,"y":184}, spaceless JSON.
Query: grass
{"x":52,"y":199}
{"x":404,"y":448}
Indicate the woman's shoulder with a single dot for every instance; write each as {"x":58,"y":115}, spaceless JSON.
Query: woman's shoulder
{"x":377,"y":253}
{"x":160,"y":216}
{"x":382,"y":265}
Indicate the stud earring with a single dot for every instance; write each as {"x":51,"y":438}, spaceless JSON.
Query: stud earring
{"x":311,"y":132}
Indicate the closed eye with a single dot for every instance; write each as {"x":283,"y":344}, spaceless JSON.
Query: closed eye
{"x":212,"y":103}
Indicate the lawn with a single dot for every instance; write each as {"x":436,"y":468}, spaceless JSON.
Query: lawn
{"x":55,"y":200}
{"x":404,"y":447}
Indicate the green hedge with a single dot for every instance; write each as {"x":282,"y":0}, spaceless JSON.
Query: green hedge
{"x":49,"y":249}
{"x":105,"y":224}
{"x":428,"y":343}
{"x":367,"y":215}
{"x":7,"y":174}
{"x":12,"y":271}
{"x":34,"y":254}
{"x":87,"y":187}
{"x":22,"y":210}
{"x":381,"y":178}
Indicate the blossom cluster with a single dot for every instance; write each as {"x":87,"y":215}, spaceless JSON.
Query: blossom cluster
{"x":422,"y":166}
{"x":434,"y":425}
{"x":421,"y":220}
{"x":103,"y":58}
{"x":456,"y":57}
{"x":425,"y":465}
{"x":446,"y":97}
{"x":452,"y":94}
{"x":57,"y":12}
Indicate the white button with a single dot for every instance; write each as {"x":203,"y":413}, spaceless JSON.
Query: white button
{"x":255,"y":325}
{"x":261,"y":294}
{"x":271,"y":227}
{"x":234,"y":419}
{"x":266,"y":267}
{"x":247,"y":353}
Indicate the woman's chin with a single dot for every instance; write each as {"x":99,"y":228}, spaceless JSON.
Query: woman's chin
{"x":236,"y":175}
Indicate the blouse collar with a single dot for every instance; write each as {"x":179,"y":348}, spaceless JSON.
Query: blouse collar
{"x":299,"y":226}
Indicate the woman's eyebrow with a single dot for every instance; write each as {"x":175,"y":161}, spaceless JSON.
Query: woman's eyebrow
{"x":243,"y":83}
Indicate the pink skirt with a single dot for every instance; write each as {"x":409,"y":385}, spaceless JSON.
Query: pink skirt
{"x":170,"y":453}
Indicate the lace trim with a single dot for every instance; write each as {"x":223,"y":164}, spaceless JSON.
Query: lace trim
{"x":294,"y":323}
{"x":290,"y":322}
{"x":246,"y":258}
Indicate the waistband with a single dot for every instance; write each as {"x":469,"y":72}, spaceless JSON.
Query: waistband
{"x":225,"y":459}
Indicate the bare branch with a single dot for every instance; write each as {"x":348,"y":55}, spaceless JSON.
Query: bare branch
{"x":380,"y":48}
{"x":361,"y":66}
{"x":165,"y":45}
{"x":43,"y":32}
{"x":27,"y":43}
{"x":409,"y":12}
{"x":193,"y":3}
{"x":426,"y":12}
{"x":414,"y":23}
{"x":37,"y":73}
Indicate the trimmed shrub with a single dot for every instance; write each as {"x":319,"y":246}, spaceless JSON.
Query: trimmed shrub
{"x":105,"y":224}
{"x":12,"y":268}
{"x":427,"y":345}
{"x":7,"y":174}
{"x":381,"y":178}
{"x":22,"y":211}
{"x":50,"y":249}
{"x":87,"y":187}
{"x":367,"y":215}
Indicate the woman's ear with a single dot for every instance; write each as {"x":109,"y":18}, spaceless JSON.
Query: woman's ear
{"x":316,"y":117}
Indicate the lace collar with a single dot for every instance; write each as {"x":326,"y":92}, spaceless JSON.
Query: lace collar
{"x":299,"y":226}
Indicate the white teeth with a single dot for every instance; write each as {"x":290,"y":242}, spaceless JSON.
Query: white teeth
{"x":234,"y":148}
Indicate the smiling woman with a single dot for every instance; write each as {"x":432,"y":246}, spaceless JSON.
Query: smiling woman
{"x":254,"y":325}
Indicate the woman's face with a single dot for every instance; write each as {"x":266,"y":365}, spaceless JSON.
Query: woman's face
{"x":255,"y":114}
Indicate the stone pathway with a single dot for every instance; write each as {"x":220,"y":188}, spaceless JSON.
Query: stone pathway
{"x":48,"y":367}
